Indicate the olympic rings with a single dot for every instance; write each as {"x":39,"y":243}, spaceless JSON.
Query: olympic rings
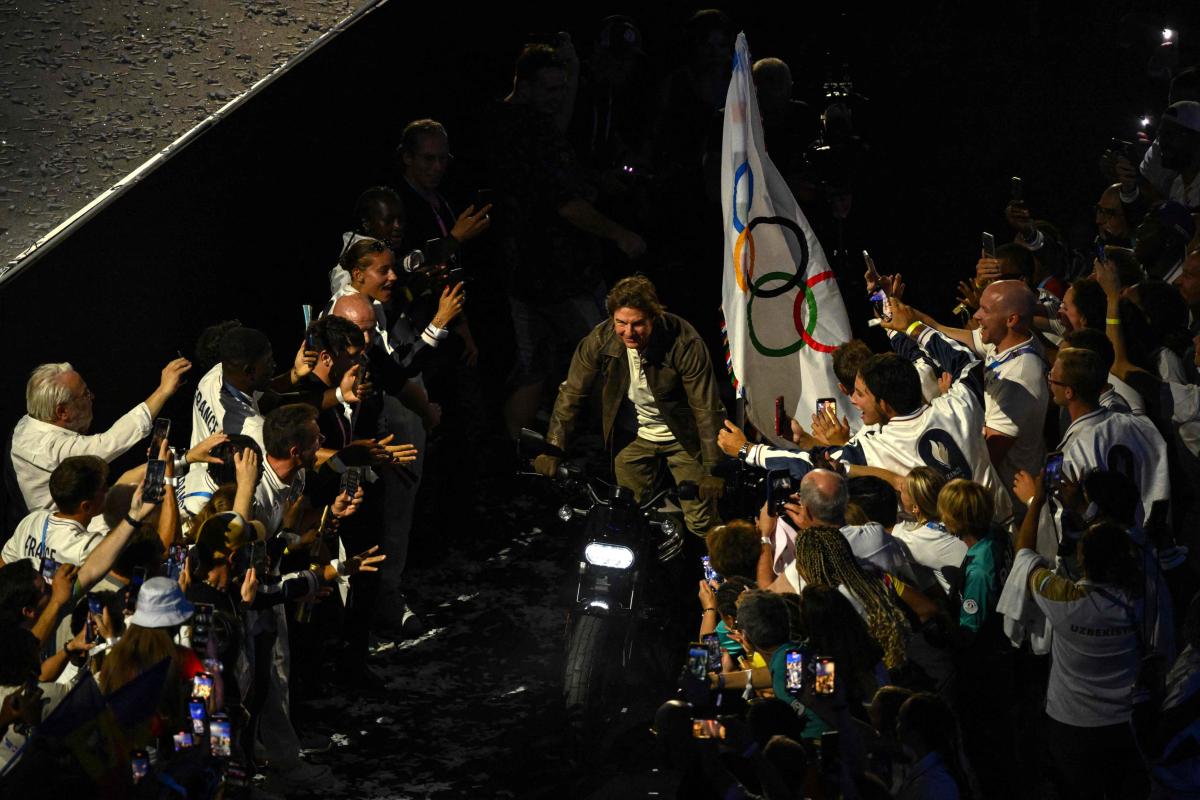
{"x":743,"y":171}
{"x":801,"y":263}
{"x":806,"y":297}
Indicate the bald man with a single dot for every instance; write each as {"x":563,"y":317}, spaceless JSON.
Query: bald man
{"x":1016,"y":394}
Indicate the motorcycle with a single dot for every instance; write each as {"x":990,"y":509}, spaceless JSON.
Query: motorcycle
{"x":623,"y":623}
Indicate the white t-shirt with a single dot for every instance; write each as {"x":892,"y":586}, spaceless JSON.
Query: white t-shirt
{"x":1094,"y":650}
{"x":931,"y":546}
{"x":1015,"y":402}
{"x":651,"y":425}
{"x":272,"y":497}
{"x":1169,"y":366}
{"x":42,"y":534}
{"x":39,"y":447}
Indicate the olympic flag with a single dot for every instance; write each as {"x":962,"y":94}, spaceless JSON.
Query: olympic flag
{"x":783,"y":312}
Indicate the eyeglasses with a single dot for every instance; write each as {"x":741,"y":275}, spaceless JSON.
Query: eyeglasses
{"x":1057,"y":383}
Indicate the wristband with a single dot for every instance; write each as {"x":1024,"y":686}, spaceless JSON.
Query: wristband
{"x":340,"y":566}
{"x":341,"y":398}
{"x":172,"y":481}
{"x":705,"y":611}
{"x":1112,"y":321}
{"x":720,"y":681}
{"x":765,"y":541}
{"x":133,"y":523}
{"x":909,"y":330}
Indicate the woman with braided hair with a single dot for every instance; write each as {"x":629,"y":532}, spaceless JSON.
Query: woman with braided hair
{"x":824,"y":558}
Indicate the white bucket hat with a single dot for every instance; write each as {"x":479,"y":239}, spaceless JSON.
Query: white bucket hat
{"x":161,"y":604}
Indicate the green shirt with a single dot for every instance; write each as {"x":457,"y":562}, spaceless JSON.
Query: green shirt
{"x":728,"y":643}
{"x":984,"y":570}
{"x":813,"y":726}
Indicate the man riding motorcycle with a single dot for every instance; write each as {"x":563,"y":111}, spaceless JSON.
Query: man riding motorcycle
{"x":659,"y":398}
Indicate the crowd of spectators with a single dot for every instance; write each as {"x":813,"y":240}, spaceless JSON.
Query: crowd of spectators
{"x":983,"y":586}
{"x":996,"y":561}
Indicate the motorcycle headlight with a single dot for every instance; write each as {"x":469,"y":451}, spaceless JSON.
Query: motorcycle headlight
{"x":602,"y":554}
{"x":565,"y":513}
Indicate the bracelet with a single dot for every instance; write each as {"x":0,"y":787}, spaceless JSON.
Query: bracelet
{"x":705,"y":611}
{"x":133,"y":523}
{"x":912,"y":327}
{"x":765,"y":541}
{"x":1112,"y":321}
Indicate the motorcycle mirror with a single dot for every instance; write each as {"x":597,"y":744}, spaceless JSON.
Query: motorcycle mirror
{"x":688,"y":490}
{"x":533,"y":443}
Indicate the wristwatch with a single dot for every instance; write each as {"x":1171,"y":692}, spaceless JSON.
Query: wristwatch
{"x":744,"y":451}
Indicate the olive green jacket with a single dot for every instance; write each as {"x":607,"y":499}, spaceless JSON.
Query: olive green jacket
{"x":678,"y":372}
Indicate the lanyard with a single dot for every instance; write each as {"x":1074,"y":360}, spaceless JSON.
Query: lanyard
{"x":1020,"y":350}
{"x":45,"y":527}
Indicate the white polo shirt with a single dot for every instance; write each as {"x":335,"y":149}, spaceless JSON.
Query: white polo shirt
{"x":1126,"y":443}
{"x":39,"y":447}
{"x":1016,"y":396}
{"x":931,"y":546}
{"x":42,"y":534}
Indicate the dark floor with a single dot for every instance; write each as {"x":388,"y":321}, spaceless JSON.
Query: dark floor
{"x":474,"y":706}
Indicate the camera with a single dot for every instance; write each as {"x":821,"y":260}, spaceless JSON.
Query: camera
{"x":780,"y":487}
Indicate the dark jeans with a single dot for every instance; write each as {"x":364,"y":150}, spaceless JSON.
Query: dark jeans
{"x":1096,"y":762}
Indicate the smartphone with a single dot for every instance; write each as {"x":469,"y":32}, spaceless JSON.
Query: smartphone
{"x":872,"y":273}
{"x":1016,"y":191}
{"x":823,"y":682}
{"x":988,"y":244}
{"x":201,"y":621}
{"x":176,"y":558}
{"x":779,"y":416}
{"x":711,"y":576}
{"x":713,"y":642}
{"x":707,"y":729}
{"x":153,"y":488}
{"x":202,"y":685}
{"x":698,"y":661}
{"x":48,"y":567}
{"x":220,"y":736}
{"x":779,"y":488}
{"x":158,"y":435}
{"x":139,"y":764}
{"x":794,"y":670}
{"x":437,"y":251}
{"x":828,"y":406}
{"x":183,"y":740}
{"x":199,"y":715}
{"x":95,"y":609}
{"x":309,"y":342}
{"x":483,"y":198}
{"x":1052,"y":474}
{"x":1122,"y":148}
{"x":882,"y":305}
{"x":135,"y":586}
{"x":351,"y":480}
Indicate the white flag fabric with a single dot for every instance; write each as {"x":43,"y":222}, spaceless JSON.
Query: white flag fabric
{"x":783,"y":311}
